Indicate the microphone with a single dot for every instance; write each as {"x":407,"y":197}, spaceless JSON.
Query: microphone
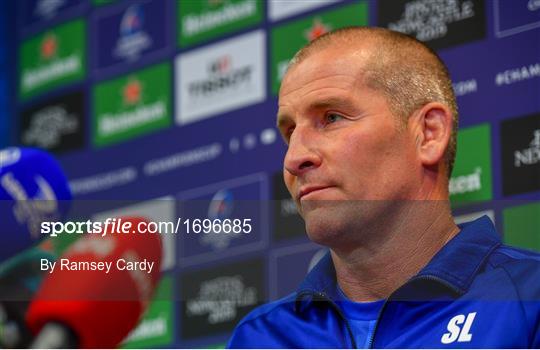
{"x":96,"y":308}
{"x":20,"y":277}
{"x":33,"y":189}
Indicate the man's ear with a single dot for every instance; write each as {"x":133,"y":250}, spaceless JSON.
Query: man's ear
{"x":432,"y":126}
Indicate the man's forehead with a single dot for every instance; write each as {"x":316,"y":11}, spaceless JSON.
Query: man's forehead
{"x":335,"y":60}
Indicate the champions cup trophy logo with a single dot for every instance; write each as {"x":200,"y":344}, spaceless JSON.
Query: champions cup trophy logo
{"x":132,"y":92}
{"x":132,"y":21}
{"x":133,"y":40}
{"x":221,"y":207}
{"x":317,"y":29}
{"x":49,"y":46}
{"x":48,"y":8}
{"x":533,"y":5}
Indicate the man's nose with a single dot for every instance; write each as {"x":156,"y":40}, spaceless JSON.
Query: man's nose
{"x":302,"y":154}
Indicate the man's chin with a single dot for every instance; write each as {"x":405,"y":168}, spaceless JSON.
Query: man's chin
{"x":327,"y":223}
{"x":334,"y":223}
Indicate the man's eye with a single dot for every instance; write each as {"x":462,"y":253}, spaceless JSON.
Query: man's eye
{"x":333,"y":117}
{"x":287,"y":134}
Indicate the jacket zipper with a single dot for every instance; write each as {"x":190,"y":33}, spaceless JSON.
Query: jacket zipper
{"x":427,"y":278}
{"x":322,"y":297}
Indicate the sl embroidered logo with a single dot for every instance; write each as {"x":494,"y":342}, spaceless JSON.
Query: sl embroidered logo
{"x":459,"y":329}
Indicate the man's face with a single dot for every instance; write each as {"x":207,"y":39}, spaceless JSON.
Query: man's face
{"x":347,"y":162}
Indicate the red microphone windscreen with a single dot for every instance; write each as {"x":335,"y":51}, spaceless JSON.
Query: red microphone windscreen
{"x":101,"y":286}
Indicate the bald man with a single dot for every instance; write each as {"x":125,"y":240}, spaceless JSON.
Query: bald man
{"x":370,"y":120}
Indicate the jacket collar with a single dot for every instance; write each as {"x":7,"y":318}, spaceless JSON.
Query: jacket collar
{"x":456,"y":264}
{"x":460,"y":260}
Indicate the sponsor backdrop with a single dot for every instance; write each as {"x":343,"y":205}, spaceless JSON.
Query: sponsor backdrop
{"x":176,"y":101}
{"x":6,"y":68}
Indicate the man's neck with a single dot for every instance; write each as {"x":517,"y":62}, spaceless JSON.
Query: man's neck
{"x":376,"y":268}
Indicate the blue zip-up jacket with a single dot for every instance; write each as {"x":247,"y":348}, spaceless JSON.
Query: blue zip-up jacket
{"x":475,"y":293}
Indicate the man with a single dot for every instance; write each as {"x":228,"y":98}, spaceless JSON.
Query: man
{"x":370,"y":119}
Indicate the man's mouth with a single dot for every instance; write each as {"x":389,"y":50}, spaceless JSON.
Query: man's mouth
{"x":306,"y":191}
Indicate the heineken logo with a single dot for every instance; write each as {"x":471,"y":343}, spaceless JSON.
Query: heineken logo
{"x":60,"y":68}
{"x":150,"y":328}
{"x":49,"y":46}
{"x":112,"y":123}
{"x":317,"y":29}
{"x":530,"y":155}
{"x":140,"y":107}
{"x":472,"y":181}
{"x":466,"y":183}
{"x":132,"y":92}
{"x":155,"y":328}
{"x":194,"y":24}
{"x":290,"y":37}
{"x":52,"y":59}
{"x":214,"y":3}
